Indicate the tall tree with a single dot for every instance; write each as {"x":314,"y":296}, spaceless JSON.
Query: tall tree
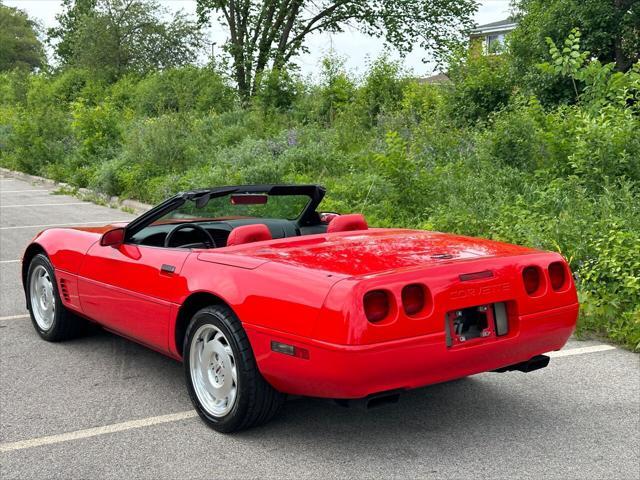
{"x":267,"y":33}
{"x":62,"y":36}
{"x":19,"y":44}
{"x":113,"y":37}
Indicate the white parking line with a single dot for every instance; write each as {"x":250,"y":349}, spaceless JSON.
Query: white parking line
{"x":174,"y":417}
{"x":13,"y":317}
{"x":580,"y":351}
{"x":44,"y":204}
{"x":9,"y":261}
{"x":76,"y":224}
{"x":92,"y":432}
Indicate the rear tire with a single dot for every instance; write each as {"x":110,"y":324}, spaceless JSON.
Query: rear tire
{"x":50,"y":318}
{"x":221,"y":373}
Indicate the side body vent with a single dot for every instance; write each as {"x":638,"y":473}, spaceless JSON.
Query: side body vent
{"x":64,"y":290}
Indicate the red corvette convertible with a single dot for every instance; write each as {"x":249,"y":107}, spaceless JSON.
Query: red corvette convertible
{"x":260,"y":296}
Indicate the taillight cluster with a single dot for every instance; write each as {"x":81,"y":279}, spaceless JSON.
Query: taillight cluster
{"x":558,"y":276}
{"x":532,"y":278}
{"x":413,"y":299}
{"x":534,"y":281}
{"x":379,"y":304}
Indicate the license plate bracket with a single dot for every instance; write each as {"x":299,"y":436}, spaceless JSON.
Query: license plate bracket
{"x":470,"y":325}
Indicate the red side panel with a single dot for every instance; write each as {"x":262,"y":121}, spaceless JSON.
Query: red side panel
{"x":66,"y":247}
{"x":273,"y":295}
{"x":126,"y":290}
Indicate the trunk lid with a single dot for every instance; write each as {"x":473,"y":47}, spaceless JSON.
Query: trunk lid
{"x":377,"y":251}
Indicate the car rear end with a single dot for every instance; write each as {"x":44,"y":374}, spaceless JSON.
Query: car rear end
{"x":385,"y":332}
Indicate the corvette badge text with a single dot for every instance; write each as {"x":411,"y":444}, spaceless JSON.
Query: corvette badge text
{"x":484,"y":290}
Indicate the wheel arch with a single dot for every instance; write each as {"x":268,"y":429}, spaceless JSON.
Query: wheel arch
{"x":189,"y":307}
{"x":31,"y":251}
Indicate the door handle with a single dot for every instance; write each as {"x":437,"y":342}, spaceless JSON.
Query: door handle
{"x":165,"y":268}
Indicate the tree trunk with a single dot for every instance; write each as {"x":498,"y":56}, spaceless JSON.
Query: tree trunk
{"x":623,"y":63}
{"x":240,"y":75}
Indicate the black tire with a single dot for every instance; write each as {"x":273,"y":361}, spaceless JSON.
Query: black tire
{"x":256,"y":401}
{"x":65,"y":324}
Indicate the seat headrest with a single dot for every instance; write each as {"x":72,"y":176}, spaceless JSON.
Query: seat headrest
{"x":347,"y":223}
{"x":248,"y":234}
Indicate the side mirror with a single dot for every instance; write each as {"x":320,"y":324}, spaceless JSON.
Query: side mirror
{"x":113,"y":238}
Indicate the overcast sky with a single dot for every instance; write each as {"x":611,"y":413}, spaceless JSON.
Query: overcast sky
{"x":356,"y":48}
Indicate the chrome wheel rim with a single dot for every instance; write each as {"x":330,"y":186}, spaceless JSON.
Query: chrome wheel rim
{"x":213,"y":370}
{"x":43,"y":301}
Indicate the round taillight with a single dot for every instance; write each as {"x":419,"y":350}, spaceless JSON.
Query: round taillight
{"x":376,"y":305}
{"x":413,"y":298}
{"x":557,"y":275}
{"x":531,"y":278}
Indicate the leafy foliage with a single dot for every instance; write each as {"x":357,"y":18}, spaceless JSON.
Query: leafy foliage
{"x":114,"y":37}
{"x":63,"y":36}
{"x":270,"y":33}
{"x":610,"y":285}
{"x":337,"y":89}
{"x":482,"y":84}
{"x":609,"y":31}
{"x":20,"y":46}
{"x":177,"y":90}
{"x":566,"y":61}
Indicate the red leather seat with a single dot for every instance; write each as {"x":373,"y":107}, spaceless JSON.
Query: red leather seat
{"x":248,"y":234}
{"x":347,"y":223}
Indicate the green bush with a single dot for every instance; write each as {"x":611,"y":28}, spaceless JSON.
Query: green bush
{"x":481,"y":84}
{"x":182,"y":90}
{"x":157,"y":146}
{"x":422,"y":101}
{"x":66,"y":87}
{"x":610,"y":286}
{"x":337,"y":91}
{"x":277,"y":90}
{"x":97,"y":129}
{"x":37,"y":138}
{"x":607,"y":147}
{"x":382,"y":89}
{"x":516,"y":138}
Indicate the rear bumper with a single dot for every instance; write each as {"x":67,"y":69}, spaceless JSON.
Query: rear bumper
{"x":356,"y":371}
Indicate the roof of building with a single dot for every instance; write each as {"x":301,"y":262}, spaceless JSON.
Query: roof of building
{"x":500,"y":26}
{"x":435,"y":79}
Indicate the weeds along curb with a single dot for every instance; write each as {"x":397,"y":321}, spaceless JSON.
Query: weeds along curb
{"x":86,"y":194}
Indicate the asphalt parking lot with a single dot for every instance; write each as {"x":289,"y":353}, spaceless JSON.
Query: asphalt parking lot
{"x":104,"y":407}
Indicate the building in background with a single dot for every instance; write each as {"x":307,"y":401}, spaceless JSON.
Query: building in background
{"x":490,"y":37}
{"x":486,"y":39}
{"x":436,"y":79}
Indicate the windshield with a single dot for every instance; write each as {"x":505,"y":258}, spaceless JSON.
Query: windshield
{"x":239,"y":206}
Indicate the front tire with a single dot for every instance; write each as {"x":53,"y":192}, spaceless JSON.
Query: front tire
{"x":222,"y":377}
{"x":50,"y":318}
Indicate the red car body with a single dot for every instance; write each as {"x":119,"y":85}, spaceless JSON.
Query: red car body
{"x":307,"y":292}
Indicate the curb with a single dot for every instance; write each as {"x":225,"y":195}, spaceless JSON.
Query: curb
{"x":81,"y":193}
